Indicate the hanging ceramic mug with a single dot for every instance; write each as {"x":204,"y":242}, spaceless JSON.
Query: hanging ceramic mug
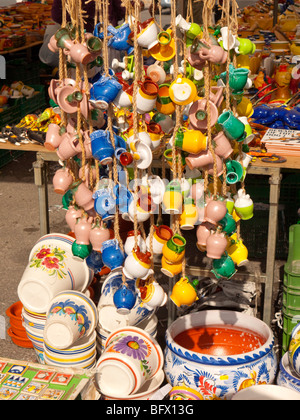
{"x":198,"y":114}
{"x":124,"y":299}
{"x":233,"y":128}
{"x":102,"y":147}
{"x":146,"y":96}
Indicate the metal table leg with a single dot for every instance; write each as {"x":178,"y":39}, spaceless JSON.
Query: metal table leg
{"x":40,"y":180}
{"x":274,"y":181}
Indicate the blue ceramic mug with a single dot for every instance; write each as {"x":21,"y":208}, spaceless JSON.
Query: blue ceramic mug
{"x":104,"y":91}
{"x":112,"y":255}
{"x":94,"y":261}
{"x":124,"y":299}
{"x":104,"y":204}
{"x":102,"y":148}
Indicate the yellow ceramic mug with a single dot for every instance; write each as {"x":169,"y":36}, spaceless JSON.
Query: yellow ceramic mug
{"x":184,"y":292}
{"x":170,"y":270}
{"x":189,"y":216}
{"x":238,"y":253}
{"x":174,"y":249}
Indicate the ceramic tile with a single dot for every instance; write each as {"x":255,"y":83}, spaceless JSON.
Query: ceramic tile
{"x":52,"y":394}
{"x":34,"y":388}
{"x":43,"y":376}
{"x":7,"y":393}
{"x":61,"y":379}
{"x":15,"y":382}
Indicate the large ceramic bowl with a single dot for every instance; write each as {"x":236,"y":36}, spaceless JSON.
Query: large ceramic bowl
{"x":234,"y":351}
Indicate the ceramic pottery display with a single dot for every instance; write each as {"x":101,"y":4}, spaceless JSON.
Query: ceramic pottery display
{"x":219,"y":352}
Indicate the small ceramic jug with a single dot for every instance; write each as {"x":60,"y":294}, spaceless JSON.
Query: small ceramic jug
{"x":203,"y":232}
{"x":72,"y":214}
{"x":172,"y":199}
{"x":216,"y":245}
{"x":137,"y":265}
{"x":62,"y":180}
{"x":243,"y":205}
{"x":215,"y":210}
{"x":124,"y":299}
{"x":112,"y":255}
{"x":83,"y":195}
{"x":162,"y":234}
{"x":98,"y":235}
{"x":223,"y":267}
{"x":174,"y":249}
{"x":130,"y":242}
{"x":82,"y":230}
{"x":153,"y":297}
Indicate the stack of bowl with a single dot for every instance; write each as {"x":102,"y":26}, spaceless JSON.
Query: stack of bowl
{"x":130,"y":367}
{"x":80,"y":356}
{"x":149,"y":326}
{"x":34,"y":325}
{"x":69,"y":332}
{"x":16,"y":330}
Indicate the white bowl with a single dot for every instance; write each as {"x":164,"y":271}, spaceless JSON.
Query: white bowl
{"x":266,"y":392}
{"x":145,"y":393}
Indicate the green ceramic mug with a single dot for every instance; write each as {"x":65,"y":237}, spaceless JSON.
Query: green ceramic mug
{"x":228,"y":224}
{"x":246,"y":46}
{"x":223,"y":267}
{"x":233,"y":128}
{"x":234,"y":171}
{"x":238,"y":79}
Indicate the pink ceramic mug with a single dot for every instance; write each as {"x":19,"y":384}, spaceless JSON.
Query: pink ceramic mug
{"x":53,"y":137}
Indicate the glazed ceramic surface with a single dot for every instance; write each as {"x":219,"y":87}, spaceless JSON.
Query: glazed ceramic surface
{"x":51,"y":270}
{"x":131,"y":357}
{"x":109,"y":318}
{"x":286,"y":377}
{"x":219,"y":376}
{"x":70,"y":317}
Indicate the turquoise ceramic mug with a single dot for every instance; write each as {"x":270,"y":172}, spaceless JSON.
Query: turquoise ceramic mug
{"x":238,"y":79}
{"x":234,"y":171}
{"x":233,"y":128}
